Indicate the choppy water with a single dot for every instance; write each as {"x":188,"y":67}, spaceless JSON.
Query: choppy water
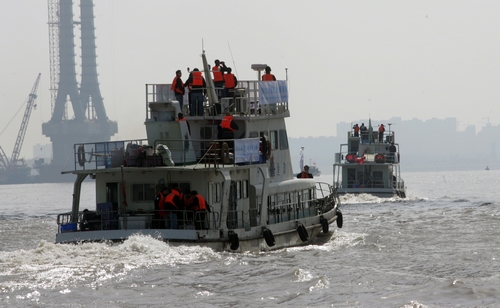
{"x":438,"y":248}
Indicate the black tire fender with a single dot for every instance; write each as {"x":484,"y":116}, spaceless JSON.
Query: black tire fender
{"x":304,"y":236}
{"x":324,"y":224}
{"x":269,"y":237}
{"x":340,"y":220}
{"x":235,"y":241}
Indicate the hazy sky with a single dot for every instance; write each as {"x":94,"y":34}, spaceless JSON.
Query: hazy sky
{"x":346,"y":60}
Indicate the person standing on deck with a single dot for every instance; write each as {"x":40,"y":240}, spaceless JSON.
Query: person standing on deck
{"x":198,"y":86}
{"x":356,"y":130}
{"x":178,"y":88}
{"x":381,"y":130}
{"x":200,"y":207}
{"x":218,"y":73}
{"x":159,"y":214}
{"x":364,"y":133}
{"x":305,"y":173}
{"x":173,"y":205}
{"x":268,"y":76}
{"x":230,"y":83}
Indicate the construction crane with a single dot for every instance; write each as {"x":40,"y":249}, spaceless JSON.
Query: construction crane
{"x":5,"y":163}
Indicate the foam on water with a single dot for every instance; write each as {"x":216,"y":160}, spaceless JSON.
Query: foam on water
{"x":56,"y":265}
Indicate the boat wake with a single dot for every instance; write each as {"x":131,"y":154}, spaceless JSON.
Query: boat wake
{"x":52,"y":266}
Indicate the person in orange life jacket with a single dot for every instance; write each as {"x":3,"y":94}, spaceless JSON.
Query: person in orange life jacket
{"x":356,"y":130}
{"x":218,"y":73}
{"x":200,"y":207}
{"x":178,"y":88}
{"x":197,"y":86}
{"x":305,"y":173}
{"x":159,"y":214}
{"x":268,"y":76}
{"x":230,"y":82}
{"x":226,"y":129}
{"x":381,"y":130}
{"x":173,"y":203}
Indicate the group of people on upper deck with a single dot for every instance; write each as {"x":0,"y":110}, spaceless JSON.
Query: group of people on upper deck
{"x":172,"y":206}
{"x":365,"y":133}
{"x":224,"y":80}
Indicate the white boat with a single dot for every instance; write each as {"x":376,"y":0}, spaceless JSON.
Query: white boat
{"x":255,"y":201}
{"x":369,"y":164}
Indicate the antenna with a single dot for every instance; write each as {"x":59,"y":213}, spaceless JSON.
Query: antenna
{"x":234,"y":64}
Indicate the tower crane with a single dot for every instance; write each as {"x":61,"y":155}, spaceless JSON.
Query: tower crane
{"x":5,"y":163}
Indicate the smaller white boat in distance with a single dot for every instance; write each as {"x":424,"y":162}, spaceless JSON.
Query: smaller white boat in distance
{"x":369,"y":163}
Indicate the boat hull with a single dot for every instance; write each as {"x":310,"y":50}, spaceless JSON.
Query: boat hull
{"x":285,"y":235}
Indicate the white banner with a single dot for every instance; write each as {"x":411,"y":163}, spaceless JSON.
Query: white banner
{"x":273,"y":92}
{"x":246,"y":150}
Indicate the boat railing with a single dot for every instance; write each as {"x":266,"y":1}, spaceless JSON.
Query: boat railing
{"x":242,"y":219}
{"x":138,"y":153}
{"x":115,"y":220}
{"x":248,"y":99}
{"x":289,"y":210}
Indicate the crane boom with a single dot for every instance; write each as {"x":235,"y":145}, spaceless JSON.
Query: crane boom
{"x":24,"y":124}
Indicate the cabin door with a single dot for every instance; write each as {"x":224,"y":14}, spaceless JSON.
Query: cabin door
{"x":232,"y":219}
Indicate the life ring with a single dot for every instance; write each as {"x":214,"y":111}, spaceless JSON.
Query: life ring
{"x":268,"y":153}
{"x":380,"y":158}
{"x":351,"y":158}
{"x":81,"y":155}
{"x":304,"y":236}
{"x":269,"y":237}
{"x":324,"y":224}
{"x":225,"y":153}
{"x":235,"y":241}
{"x":340,"y":220}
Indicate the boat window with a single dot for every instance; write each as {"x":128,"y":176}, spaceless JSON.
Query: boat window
{"x":283,"y":139}
{"x":253,"y":134}
{"x":273,"y":137}
{"x":143,"y":192}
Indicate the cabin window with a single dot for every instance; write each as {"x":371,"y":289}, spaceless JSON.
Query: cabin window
{"x":273,"y":137}
{"x":283,"y":139}
{"x":253,"y":134}
{"x":143,"y":192}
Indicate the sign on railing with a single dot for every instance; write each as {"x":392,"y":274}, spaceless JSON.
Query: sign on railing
{"x":273,"y":92}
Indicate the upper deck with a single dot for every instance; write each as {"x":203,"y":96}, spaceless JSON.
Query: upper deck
{"x":257,"y":107}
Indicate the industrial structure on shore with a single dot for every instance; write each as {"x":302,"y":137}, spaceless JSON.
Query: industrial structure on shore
{"x":88,"y":120}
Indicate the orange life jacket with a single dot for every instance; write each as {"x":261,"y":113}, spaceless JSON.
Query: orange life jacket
{"x":217,"y":74}
{"x":268,"y":77}
{"x":174,"y":88}
{"x":304,"y":175}
{"x":381,"y":128}
{"x":229,"y":81}
{"x":170,"y":199}
{"x":356,"y":129}
{"x":202,"y":204}
{"x":226,"y":123}
{"x":197,"y":79}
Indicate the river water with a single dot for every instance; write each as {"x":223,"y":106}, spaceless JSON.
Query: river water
{"x":440,"y":247}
